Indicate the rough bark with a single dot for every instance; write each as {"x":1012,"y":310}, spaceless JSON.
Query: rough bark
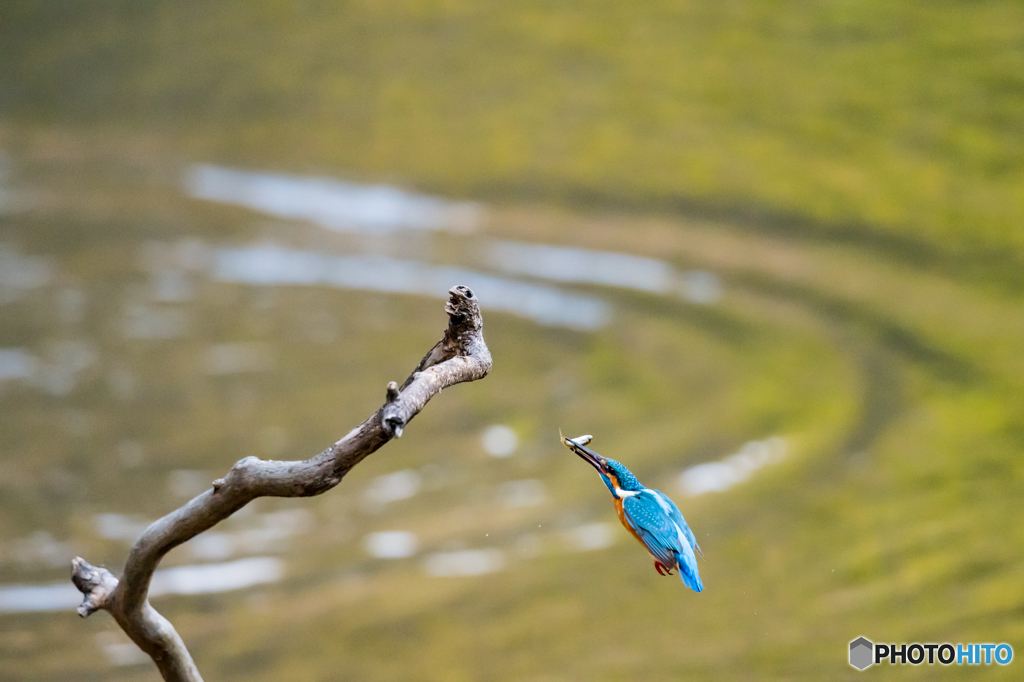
{"x":461,"y":355}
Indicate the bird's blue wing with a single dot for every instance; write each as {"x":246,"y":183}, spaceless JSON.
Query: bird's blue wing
{"x":673,"y":511}
{"x":654,"y":530}
{"x":663,"y":536}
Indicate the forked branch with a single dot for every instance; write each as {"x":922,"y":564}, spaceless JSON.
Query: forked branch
{"x":461,"y":355}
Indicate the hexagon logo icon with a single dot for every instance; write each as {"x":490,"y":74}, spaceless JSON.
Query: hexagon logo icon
{"x":861,"y":653}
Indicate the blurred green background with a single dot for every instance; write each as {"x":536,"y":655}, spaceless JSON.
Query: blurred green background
{"x":829,"y":199}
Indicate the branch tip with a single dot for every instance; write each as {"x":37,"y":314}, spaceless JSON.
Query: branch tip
{"x":97,"y":584}
{"x":463,"y":307}
{"x":392,"y":392}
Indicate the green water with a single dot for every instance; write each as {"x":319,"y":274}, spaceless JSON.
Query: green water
{"x":851,"y":179}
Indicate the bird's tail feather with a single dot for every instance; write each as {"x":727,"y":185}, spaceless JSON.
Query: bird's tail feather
{"x":687,"y":564}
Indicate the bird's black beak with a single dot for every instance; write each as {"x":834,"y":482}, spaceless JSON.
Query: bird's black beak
{"x":578,"y":446}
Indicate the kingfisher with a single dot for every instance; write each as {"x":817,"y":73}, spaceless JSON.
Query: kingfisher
{"x":649,"y":515}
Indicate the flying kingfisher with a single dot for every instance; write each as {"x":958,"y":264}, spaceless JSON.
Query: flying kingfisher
{"x":649,"y":515}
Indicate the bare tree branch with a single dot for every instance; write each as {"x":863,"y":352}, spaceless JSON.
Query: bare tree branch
{"x":460,"y":356}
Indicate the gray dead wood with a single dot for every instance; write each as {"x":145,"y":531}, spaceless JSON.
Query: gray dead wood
{"x":460,"y":356}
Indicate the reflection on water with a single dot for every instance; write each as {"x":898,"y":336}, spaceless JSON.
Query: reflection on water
{"x":340,"y":205}
{"x":119,"y":526}
{"x":345,"y":206}
{"x":38,"y":549}
{"x":203,"y":579}
{"x":526,"y":493}
{"x":20,"y":273}
{"x":590,"y":537}
{"x":274,"y":265}
{"x":267,"y":532}
{"x":464,"y":563}
{"x":699,"y":286}
{"x":66,"y":361}
{"x":57,"y":372}
{"x":146,"y":322}
{"x":391,"y":544}
{"x":120,"y":650}
{"x":563,"y":264}
{"x":499,"y":440}
{"x":233,"y":575}
{"x":330,"y":203}
{"x":389,"y":488}
{"x":172,"y":286}
{"x":724,"y":474}
{"x":62,"y":596}
{"x":581,"y":265}
{"x":17,"y":363}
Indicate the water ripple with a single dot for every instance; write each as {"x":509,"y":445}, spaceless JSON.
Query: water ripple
{"x":274,"y":265}
{"x":200,"y":579}
{"x":330,"y":203}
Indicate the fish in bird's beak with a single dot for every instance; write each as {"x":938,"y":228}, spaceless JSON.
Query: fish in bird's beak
{"x":578,"y":445}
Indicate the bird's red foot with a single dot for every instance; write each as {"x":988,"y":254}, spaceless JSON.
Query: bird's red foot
{"x":662,"y":568}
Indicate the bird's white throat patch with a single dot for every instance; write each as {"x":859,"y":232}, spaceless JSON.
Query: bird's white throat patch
{"x":620,"y":493}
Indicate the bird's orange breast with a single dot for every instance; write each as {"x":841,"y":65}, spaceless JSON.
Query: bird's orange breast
{"x":620,"y":510}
